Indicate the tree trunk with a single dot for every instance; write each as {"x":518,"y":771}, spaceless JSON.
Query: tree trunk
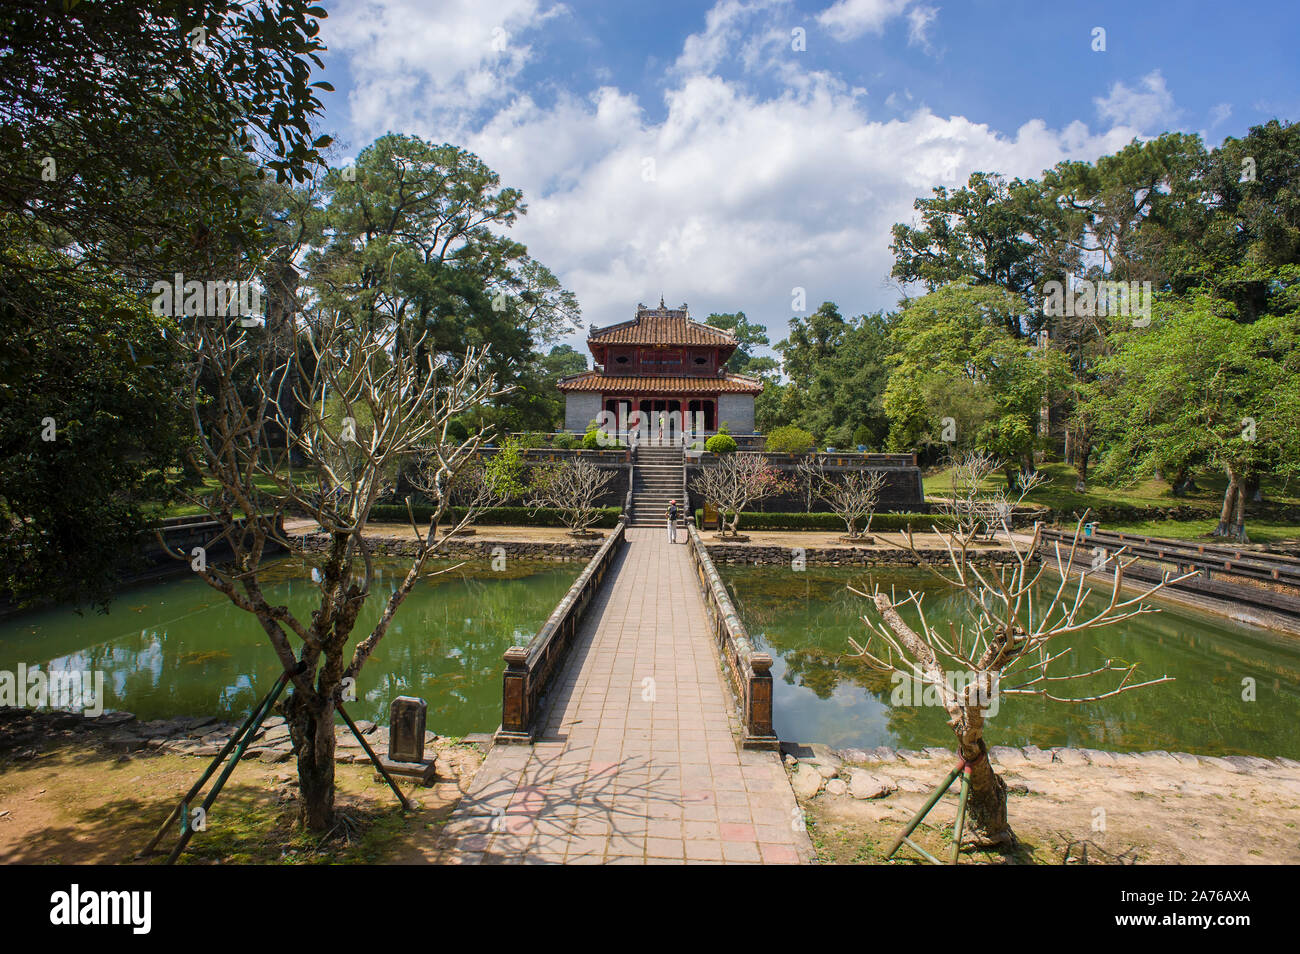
{"x":1082,"y":452}
{"x":1239,"y":516}
{"x":311,"y":727}
{"x":986,"y":804}
{"x":1233,"y":504}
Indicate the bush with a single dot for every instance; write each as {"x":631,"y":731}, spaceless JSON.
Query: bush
{"x":720,"y":443}
{"x":862,"y":436}
{"x":566,"y":441}
{"x":841,"y":438}
{"x":456,"y":430}
{"x":919,"y":522}
{"x":524,"y":516}
{"x":790,"y":440}
{"x":723,"y":428}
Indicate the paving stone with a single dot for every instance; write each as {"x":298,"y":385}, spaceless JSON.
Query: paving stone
{"x":807,"y":780}
{"x":1007,"y":755}
{"x":1069,"y":757}
{"x":632,"y":772}
{"x":868,"y":785}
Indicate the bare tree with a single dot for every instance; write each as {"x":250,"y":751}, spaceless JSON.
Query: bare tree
{"x":366,"y":402}
{"x":734,"y":481}
{"x":853,"y":495}
{"x":483,"y":482}
{"x":572,"y":487}
{"x":972,"y":506}
{"x":1011,"y":633}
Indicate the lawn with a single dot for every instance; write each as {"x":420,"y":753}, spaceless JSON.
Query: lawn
{"x":183,"y":508}
{"x":1259,"y":531}
{"x":1060,"y":495}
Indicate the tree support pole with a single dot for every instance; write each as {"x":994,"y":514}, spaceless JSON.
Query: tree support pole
{"x":373,"y":758}
{"x":221,"y":757}
{"x":962,"y":769}
{"x":187,"y":829}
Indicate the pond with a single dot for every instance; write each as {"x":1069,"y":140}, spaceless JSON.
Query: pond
{"x":181,"y":648}
{"x":822,"y":694}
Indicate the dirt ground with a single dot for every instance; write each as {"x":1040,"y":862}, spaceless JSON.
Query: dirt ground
{"x":1145,"y":810}
{"x":75,"y":802}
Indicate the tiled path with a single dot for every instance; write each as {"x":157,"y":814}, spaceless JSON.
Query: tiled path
{"x":638,"y":761}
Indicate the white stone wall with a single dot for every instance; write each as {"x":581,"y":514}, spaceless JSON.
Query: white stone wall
{"x":738,"y":411}
{"x":581,"y":408}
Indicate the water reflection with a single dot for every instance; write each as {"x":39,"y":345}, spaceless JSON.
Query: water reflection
{"x":824,"y":695}
{"x":180,"y":648}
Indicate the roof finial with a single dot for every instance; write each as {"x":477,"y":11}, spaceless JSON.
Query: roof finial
{"x":661,"y":301}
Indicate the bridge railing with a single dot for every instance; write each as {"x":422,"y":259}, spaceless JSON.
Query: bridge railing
{"x":530,"y":669}
{"x":750,"y":672}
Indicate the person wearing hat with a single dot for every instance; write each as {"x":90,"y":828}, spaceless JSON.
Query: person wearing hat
{"x":671,"y":514}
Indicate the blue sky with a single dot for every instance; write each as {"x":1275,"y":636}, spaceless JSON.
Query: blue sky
{"x":688,"y":149}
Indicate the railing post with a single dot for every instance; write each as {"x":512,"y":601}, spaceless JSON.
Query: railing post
{"x":758,"y":718}
{"x":515,"y":716}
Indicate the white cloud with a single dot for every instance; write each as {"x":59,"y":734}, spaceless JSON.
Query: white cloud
{"x":849,"y":19}
{"x":753,"y":194}
{"x":1219,"y":113}
{"x":1149,"y":108}
{"x":919,"y":19}
{"x":406,"y":54}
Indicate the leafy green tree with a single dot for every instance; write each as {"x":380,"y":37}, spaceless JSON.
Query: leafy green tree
{"x":749,"y":337}
{"x":989,"y":232}
{"x":954,"y":341}
{"x":1199,"y":387}
{"x":415,"y":237}
{"x":837,"y":371}
{"x":89,"y":431}
{"x":135,"y":138}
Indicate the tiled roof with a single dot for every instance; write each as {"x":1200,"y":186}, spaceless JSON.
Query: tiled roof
{"x":653,"y":384}
{"x":661,"y":326}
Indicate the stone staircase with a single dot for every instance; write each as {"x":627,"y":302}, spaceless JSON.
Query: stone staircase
{"x":657,"y":479}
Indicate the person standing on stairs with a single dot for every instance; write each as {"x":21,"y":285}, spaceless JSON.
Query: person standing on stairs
{"x":671,"y":514}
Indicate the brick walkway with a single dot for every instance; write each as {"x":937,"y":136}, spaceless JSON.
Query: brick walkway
{"x":638,"y":761}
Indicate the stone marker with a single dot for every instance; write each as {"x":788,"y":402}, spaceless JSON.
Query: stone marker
{"x":406,"y":718}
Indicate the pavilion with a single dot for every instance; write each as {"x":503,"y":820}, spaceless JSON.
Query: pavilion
{"x":661,"y":361}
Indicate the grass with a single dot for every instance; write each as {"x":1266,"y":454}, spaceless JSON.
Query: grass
{"x":183,"y":508}
{"x":1259,"y":531}
{"x":1059,"y":493}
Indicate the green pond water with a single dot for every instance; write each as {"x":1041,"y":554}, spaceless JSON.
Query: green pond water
{"x":821,"y":694}
{"x":181,"y":648}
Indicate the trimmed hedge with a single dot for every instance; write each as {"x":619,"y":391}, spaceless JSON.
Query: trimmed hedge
{"x":920,"y":522}
{"x":525,"y":516}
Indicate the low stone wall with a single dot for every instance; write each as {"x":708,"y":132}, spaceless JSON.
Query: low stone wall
{"x":750,"y":672}
{"x":476,"y":548}
{"x":24,"y":730}
{"x":746,"y":553}
{"x":1008,"y":756}
{"x":183,"y":534}
{"x":530,"y":669}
